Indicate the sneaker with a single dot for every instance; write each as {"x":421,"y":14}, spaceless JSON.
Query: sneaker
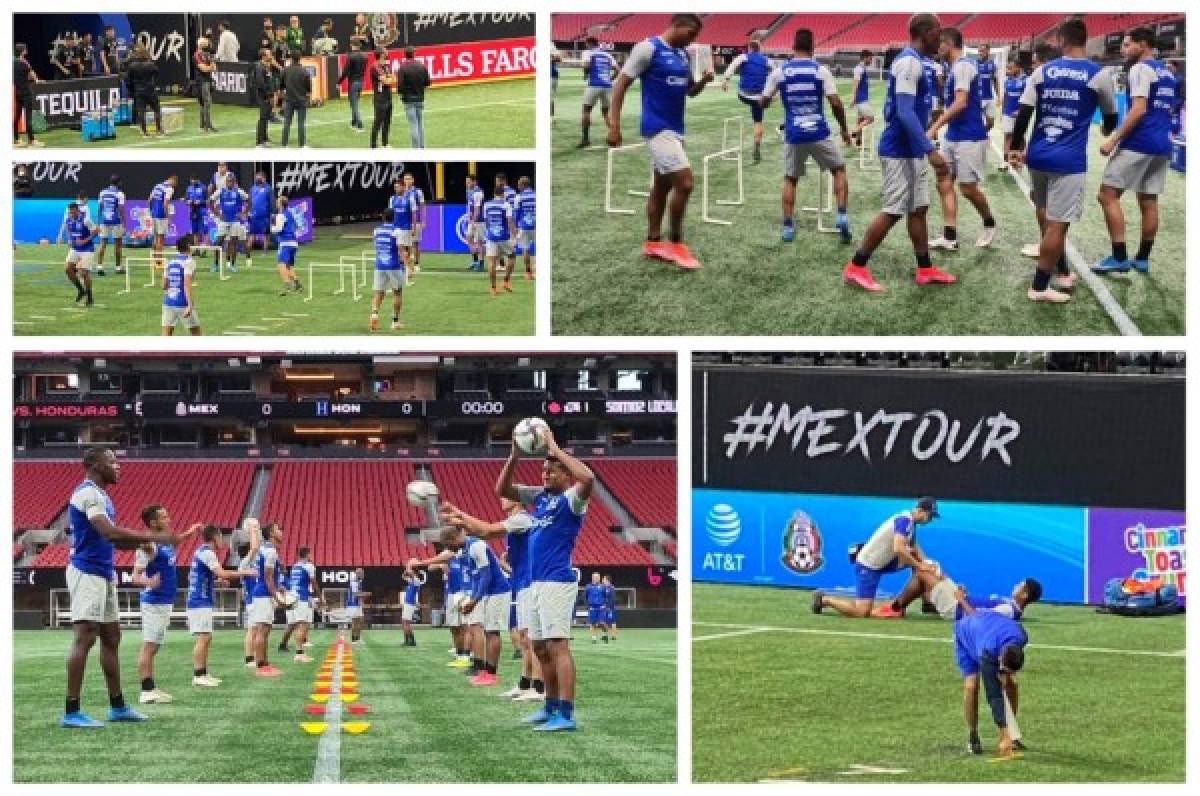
{"x":80,"y":720}
{"x":372,"y":326}
{"x":682,"y":256}
{"x":125,"y":714}
{"x":757,"y":156}
{"x":529,"y":695}
{"x":484,"y":678}
{"x":1111,"y":265}
{"x":789,"y":233}
{"x":1019,"y":745}
{"x":934,"y":276}
{"x":459,"y":663}
{"x":941,"y":242}
{"x":1064,"y":281}
{"x":1142,"y":267}
{"x":1049,"y":295}
{"x":556,"y":723}
{"x":886,"y":611}
{"x":512,"y":692}
{"x":267,"y":671}
{"x":120,"y":269}
{"x":854,"y":275}
{"x":231,"y":268}
{"x":507,"y":287}
{"x":251,"y":665}
{"x":99,"y":272}
{"x":205,"y":681}
{"x":156,"y":696}
{"x":655,"y":249}
{"x":1031,"y":250}
{"x":302,"y":658}
{"x":284,"y":648}
{"x":986,"y":236}
{"x":818,"y":601}
{"x":397,"y":326}
{"x":539,"y":716}
{"x":974,"y":745}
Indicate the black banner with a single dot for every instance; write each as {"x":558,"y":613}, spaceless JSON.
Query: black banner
{"x":164,"y":35}
{"x":1105,"y":441}
{"x":66,"y":179}
{"x":64,"y":102}
{"x":231,"y":83}
{"x":448,"y":28}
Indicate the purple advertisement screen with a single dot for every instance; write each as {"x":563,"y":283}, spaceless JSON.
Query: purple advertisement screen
{"x":1126,"y":543}
{"x":137,"y":219}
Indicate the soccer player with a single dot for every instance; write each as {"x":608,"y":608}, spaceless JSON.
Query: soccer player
{"x":179,"y":304}
{"x":410,"y":184}
{"x":154,"y":571}
{"x":905,"y":154}
{"x":526,"y":213}
{"x":891,"y":548}
{"x":499,"y":230}
{"x":752,"y":68}
{"x":390,"y":264}
{"x":206,"y":572}
{"x":408,"y":611}
{"x":82,"y":236}
{"x":661,"y":62}
{"x":302,"y":583}
{"x":229,"y":204}
{"x":1139,"y":151}
{"x":805,"y":85}
{"x":112,"y":223}
{"x":610,"y":595}
{"x":989,"y":83}
{"x":597,"y":605}
{"x":1014,"y":87}
{"x":92,"y":584}
{"x":253,"y":531}
{"x":81,"y":201}
{"x":475,"y":236}
{"x":990,"y":646}
{"x":559,"y":506}
{"x":267,"y":595}
{"x":196,"y":197}
{"x":454,"y":617}
{"x":354,"y":608}
{"x":258,"y":216}
{"x":382,"y":83}
{"x":555,"y":60}
{"x":490,"y":595}
{"x":403,"y":205}
{"x":965,"y":144}
{"x":1043,"y":53}
{"x":284,"y":228}
{"x":947,"y":597}
{"x":860,"y":90}
{"x":1064,"y":94}
{"x":598,"y":69}
{"x":160,"y":214}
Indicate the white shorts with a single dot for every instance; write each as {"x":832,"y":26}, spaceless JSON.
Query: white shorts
{"x":666,"y":153}
{"x":942,"y":597}
{"x":302,"y":611}
{"x":1007,"y":124}
{"x":262,"y":611}
{"x":525,"y":608}
{"x":354,"y":611}
{"x":115,"y":231}
{"x":476,"y":234}
{"x":407,"y":612}
{"x":594,"y":94}
{"x":404,"y":237}
{"x":231,"y":229}
{"x":161,"y":226}
{"x":454,"y":617}
{"x":389,"y":280}
{"x":84,"y":260}
{"x":499,"y":248}
{"x":553,"y":606}
{"x":200,"y":620}
{"x":495,"y":612}
{"x":525,"y":238}
{"x":172,"y":316}
{"x":93,"y":598}
{"x":475,"y":616}
{"x":156,"y":618}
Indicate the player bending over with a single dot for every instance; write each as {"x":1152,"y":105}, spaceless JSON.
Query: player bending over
{"x":284,"y":228}
{"x":205,"y":573}
{"x":752,"y":68}
{"x":154,"y":571}
{"x":80,"y":253}
{"x":662,"y":64}
{"x":989,"y":646}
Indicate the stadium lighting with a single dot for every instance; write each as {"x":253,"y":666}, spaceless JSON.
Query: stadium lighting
{"x":328,"y":376}
{"x":336,"y":430}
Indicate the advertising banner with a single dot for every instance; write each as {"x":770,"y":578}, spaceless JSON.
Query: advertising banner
{"x":64,"y":102}
{"x":469,"y":62}
{"x":138,"y":223}
{"x":1123,"y":543}
{"x":231,"y":83}
{"x":802,"y":540}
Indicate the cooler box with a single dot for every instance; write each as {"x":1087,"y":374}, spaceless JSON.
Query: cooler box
{"x":98,"y":125}
{"x":124,"y":111}
{"x":172,"y":120}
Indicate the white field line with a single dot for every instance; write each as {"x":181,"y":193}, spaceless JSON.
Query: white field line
{"x":328,"y":767}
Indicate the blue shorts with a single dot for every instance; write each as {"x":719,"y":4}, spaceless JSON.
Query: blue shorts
{"x":756,"y":108}
{"x":612,"y":617}
{"x":287,"y":255}
{"x":968,"y":664}
{"x":258,"y":225}
{"x":866,"y":580}
{"x":200,"y":228}
{"x":597,"y":616}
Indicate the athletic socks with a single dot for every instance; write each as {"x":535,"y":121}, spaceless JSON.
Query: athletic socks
{"x":1061,"y":268}
{"x":525,"y":684}
{"x":1143,"y":252}
{"x":72,"y":705}
{"x":115,"y":701}
{"x":551,"y":705}
{"x":950,"y":233}
{"x":147,"y":683}
{"x":490,"y":668}
{"x":989,"y":222}
{"x":199,"y":672}
{"x":539,"y":686}
{"x":1041,"y":280}
{"x":860,"y":258}
{"x":566,"y":708}
{"x":923,"y":260}
{"x":1119,"y":251}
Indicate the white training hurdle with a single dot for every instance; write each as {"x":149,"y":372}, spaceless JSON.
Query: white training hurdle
{"x":155,"y":263}
{"x":609,"y":205}
{"x":824,"y":205}
{"x":868,"y":160}
{"x":733,"y":155}
{"x":352,"y":274}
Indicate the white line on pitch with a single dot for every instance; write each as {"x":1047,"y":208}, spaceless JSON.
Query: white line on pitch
{"x":328,"y":767}
{"x":746,"y":632}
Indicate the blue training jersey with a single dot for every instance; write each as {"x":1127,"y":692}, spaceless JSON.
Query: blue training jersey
{"x":986,"y":68}
{"x":967,"y":125}
{"x":197,"y":199}
{"x":300,"y":580}
{"x":557,"y":521}
{"x":404,"y":209}
{"x":1014,"y":87}
{"x":353,"y":592}
{"x":176,"y":274}
{"x":79,"y":232}
{"x":161,"y":564}
{"x":753,"y":74}
{"x":600,"y":68}
{"x":594,"y":594}
{"x":260,"y":200}
{"x":526,"y":210}
{"x":666,"y":74}
{"x":1066,"y":93}
{"x":267,"y":555}
{"x":803,"y":85}
{"x":466,"y":570}
{"x":160,"y":197}
{"x":907,"y":76}
{"x":496,"y":215}
{"x":488,"y":578}
{"x":91,"y":552}
{"x":453,"y":583}
{"x":387,"y":251}
{"x":1001,"y":605}
{"x":863,"y":92}
{"x":110,"y":201}
{"x":202,"y":577}
{"x":287,"y":233}
{"x":230,"y":204}
{"x":1152,"y":135}
{"x":410,"y":592}
{"x":986,"y":633}
{"x":610,"y":596}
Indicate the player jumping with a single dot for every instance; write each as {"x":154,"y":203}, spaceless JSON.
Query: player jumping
{"x":752,"y":68}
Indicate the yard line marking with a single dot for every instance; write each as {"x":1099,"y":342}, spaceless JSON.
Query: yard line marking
{"x":43,"y":317}
{"x":328,"y":767}
{"x":859,"y":768}
{"x":747,"y":629}
{"x":22,"y":323}
{"x":745,"y":632}
{"x":253,"y":328}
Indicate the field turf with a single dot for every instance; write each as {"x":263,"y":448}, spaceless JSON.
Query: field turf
{"x":479,"y":116}
{"x":427,"y":723}
{"x":780,"y":694}
{"x":445,"y":299}
{"x":754,"y":284}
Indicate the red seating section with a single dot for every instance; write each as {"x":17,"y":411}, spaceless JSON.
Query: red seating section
{"x":41,"y":491}
{"x":636,"y":27}
{"x":645,"y":487}
{"x":1008,"y":27}
{"x":733,"y":29}
{"x":1103,"y":24}
{"x":822,"y":25}
{"x":568,"y":27}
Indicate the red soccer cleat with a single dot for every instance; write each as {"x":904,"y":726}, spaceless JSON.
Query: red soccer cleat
{"x":655,"y":250}
{"x":934,"y":276}
{"x":886,"y":611}
{"x":860,"y":276}
{"x":267,"y":671}
{"x":682,"y":256}
{"x":484,"y":678}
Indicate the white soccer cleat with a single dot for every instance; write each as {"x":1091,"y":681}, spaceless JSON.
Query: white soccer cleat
{"x":942,"y":243}
{"x":251,"y":665}
{"x":205,"y":681}
{"x":529,"y":695}
{"x":1065,"y":281}
{"x":1031,"y":250}
{"x":512,"y":693}
{"x":1049,"y":295}
{"x":986,"y":236}
{"x":155,"y":697}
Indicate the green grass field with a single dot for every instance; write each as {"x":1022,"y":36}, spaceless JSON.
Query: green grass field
{"x":753,"y":284}
{"x":480,"y":116}
{"x":445,"y":299}
{"x":781,"y":694}
{"x":427,"y":724}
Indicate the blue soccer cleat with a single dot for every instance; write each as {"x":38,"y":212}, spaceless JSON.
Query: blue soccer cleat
{"x":1141,"y":266}
{"x":80,"y":720}
{"x":789,"y":233}
{"x":557,"y":724}
{"x":125,"y":714}
{"x":540,"y":716}
{"x":1111,"y":265}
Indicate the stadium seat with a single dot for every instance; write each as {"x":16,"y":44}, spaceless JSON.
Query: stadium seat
{"x":646,"y":488}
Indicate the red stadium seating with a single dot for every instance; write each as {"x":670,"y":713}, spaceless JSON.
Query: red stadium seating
{"x":823,"y":27}
{"x":1008,"y":27}
{"x":569,"y":27}
{"x":645,"y":487}
{"x":733,"y":29}
{"x":1103,"y":24}
{"x":41,"y":491}
{"x":636,"y":27}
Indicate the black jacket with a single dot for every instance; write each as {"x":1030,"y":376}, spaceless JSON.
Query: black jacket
{"x":260,"y":80}
{"x":414,"y":79}
{"x":142,"y":77}
{"x":297,"y":85}
{"x":355,"y":68}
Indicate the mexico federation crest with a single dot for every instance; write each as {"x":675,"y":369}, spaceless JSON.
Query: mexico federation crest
{"x":802,"y":545}
{"x":385,"y":28}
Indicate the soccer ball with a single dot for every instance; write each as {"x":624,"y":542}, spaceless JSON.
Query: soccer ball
{"x":420,"y":493}
{"x":528,"y":436}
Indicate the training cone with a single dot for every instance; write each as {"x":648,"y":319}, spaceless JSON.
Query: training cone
{"x":356,"y":727}
{"x":321,"y":689}
{"x":314,"y":710}
{"x":350,"y":684}
{"x":357,"y":709}
{"x":314,"y":727}
{"x":319,"y":697}
{"x":349,"y":697}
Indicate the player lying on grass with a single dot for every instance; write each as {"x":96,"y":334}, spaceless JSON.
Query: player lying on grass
{"x":891,"y":548}
{"x":942,"y":592}
{"x":206,"y":572}
{"x":989,"y":646}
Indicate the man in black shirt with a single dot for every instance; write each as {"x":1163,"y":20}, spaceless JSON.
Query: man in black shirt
{"x":297,"y":88}
{"x":142,"y":75}
{"x":266,"y":39}
{"x":353,"y":72}
{"x":24,"y":79}
{"x":279,"y":56}
{"x":362,"y":32}
{"x":383,"y":81}
{"x":414,"y":79}
{"x":203,"y":67}
{"x":110,"y":62}
{"x":262,"y":84}
{"x":87,"y":55}
{"x":22,"y":185}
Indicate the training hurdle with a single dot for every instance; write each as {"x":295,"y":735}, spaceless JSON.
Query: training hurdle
{"x":734,"y":155}
{"x":609,"y":205}
{"x":733,"y":121}
{"x":867,"y":159}
{"x":150,"y":262}
{"x":824,"y":205}
{"x":353,"y":265}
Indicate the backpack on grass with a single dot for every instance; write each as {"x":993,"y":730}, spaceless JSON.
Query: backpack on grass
{"x":1130,"y":597}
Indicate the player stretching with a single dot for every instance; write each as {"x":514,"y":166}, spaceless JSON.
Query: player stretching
{"x":229,"y":203}
{"x":990,"y":646}
{"x":178,"y":304}
{"x":302,"y":583}
{"x":805,"y":85}
{"x":408,"y":611}
{"x":610,"y":596}
{"x":404,"y":216}
{"x":92,"y":584}
{"x":284,"y":227}
{"x":965,"y":145}
{"x":860,"y":90}
{"x":82,"y":236}
{"x":354,"y":605}
{"x":474,"y":227}
{"x":390,"y":265}
{"x":558,"y":513}
{"x":418,"y":230}
{"x":499,"y":230}
{"x":1064,"y":94}
{"x":526,"y":212}
{"x":268,"y":593}
{"x":662,"y":65}
{"x":154,"y":571}
{"x":1014,"y":87}
{"x":903,"y":150}
{"x":206,"y":571}
{"x":598,"y":68}
{"x":160,"y":215}
{"x":891,"y":548}
{"x":1138,"y":151}
{"x":597,"y":605}
{"x":112,"y":223}
{"x":752,"y":68}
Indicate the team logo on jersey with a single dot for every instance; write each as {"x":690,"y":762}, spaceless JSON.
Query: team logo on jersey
{"x":802,"y":545}
{"x":723,"y":525}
